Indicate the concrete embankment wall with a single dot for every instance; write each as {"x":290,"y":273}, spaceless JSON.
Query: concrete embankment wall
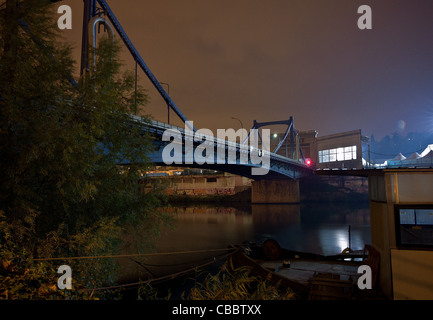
{"x":333,"y":189}
{"x":205,"y":185}
{"x":235,"y":188}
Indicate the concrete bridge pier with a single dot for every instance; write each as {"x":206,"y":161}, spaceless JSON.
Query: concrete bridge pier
{"x":275,"y":191}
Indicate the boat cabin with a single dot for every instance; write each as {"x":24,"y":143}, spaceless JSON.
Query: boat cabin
{"x":401,"y":218}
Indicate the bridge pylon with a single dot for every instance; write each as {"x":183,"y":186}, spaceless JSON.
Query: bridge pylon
{"x":97,"y":8}
{"x":290,"y":134}
{"x":276,"y":191}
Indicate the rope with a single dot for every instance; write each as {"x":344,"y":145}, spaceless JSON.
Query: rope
{"x":134,"y":255}
{"x":167,"y":277}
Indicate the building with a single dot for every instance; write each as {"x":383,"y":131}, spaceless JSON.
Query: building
{"x":341,"y":150}
{"x":336,"y":151}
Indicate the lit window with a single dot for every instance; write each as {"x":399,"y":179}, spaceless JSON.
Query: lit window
{"x":326,"y":156}
{"x":414,"y":226}
{"x":340,"y":154}
{"x":348,"y":153}
{"x":332,"y":155}
{"x":337,"y":154}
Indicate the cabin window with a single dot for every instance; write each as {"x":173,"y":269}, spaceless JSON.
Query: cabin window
{"x":414,"y":225}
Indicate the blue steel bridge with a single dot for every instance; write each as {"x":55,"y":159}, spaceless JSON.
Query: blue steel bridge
{"x":241,"y":163}
{"x":293,"y":166}
{"x":279,"y":185}
{"x":97,"y":13}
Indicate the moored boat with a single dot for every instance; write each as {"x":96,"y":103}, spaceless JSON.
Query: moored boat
{"x":309,"y":275}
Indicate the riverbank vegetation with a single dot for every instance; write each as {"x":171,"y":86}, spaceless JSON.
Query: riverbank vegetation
{"x":223,"y":283}
{"x":63,"y":192}
{"x":236,"y":284}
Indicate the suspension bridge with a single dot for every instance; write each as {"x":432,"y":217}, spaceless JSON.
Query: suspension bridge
{"x":98,"y":12}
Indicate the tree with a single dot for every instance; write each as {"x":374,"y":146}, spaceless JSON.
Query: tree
{"x":61,"y":145}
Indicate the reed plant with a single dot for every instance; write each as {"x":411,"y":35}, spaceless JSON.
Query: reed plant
{"x":231,"y":283}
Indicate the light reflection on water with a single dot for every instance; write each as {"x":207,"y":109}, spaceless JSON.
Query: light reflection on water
{"x":317,"y":228}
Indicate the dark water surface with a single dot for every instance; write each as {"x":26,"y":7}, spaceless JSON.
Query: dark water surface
{"x":318,"y":227}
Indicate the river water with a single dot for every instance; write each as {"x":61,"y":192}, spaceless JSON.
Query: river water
{"x":320,"y":228}
{"x":317,"y":227}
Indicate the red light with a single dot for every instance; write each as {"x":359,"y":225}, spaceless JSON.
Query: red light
{"x":308,"y":162}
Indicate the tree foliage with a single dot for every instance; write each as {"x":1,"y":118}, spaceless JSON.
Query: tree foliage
{"x":63,"y":190}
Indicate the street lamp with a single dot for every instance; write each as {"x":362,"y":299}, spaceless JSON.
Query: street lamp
{"x":242,"y":127}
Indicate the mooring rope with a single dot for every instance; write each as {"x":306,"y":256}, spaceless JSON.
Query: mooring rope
{"x":162,"y":278}
{"x":135,"y":254}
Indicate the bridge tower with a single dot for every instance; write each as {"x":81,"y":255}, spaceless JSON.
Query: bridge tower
{"x":93,"y":18}
{"x":268,"y":191}
{"x":98,"y":12}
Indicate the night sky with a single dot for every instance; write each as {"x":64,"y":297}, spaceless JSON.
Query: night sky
{"x":268,"y":60}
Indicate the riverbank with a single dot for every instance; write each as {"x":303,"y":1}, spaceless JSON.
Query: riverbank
{"x":198,"y":229}
{"x":312,"y":190}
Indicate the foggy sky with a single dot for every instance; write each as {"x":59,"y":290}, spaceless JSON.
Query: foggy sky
{"x":268,"y":60}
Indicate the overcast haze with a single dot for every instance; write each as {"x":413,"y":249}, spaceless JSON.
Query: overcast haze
{"x":268,"y":60}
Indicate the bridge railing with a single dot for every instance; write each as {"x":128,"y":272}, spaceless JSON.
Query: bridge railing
{"x":189,"y":134}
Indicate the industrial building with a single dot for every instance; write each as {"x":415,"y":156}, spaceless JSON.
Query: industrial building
{"x":336,"y":151}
